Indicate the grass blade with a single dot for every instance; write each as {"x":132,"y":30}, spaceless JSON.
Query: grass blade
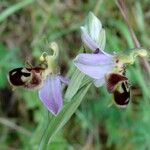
{"x":58,"y":122}
{"x":12,"y":9}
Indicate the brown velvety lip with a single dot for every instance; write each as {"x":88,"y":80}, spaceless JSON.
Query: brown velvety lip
{"x":113,"y":79}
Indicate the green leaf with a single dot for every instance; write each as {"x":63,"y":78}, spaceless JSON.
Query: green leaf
{"x":56,"y":123}
{"x":5,"y":63}
{"x":3,"y":78}
{"x":124,"y":31}
{"x":74,"y":84}
{"x":3,"y":50}
{"x":31,"y":99}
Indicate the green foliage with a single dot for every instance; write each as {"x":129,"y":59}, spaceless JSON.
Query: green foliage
{"x":26,"y":28}
{"x":12,"y":9}
{"x":6,"y":62}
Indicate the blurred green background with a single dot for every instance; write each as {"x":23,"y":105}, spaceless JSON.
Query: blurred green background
{"x":26,"y":27}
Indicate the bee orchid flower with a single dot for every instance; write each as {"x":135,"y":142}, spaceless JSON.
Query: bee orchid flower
{"x":98,"y":63}
{"x":45,"y":77}
{"x":103,"y":67}
{"x":50,"y":93}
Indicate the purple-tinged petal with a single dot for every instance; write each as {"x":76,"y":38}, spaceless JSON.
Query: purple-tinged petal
{"x":95,"y":72}
{"x":50,"y":94}
{"x":94,"y":69}
{"x":94,"y":59}
{"x":64,"y":79}
{"x":99,"y":82}
{"x":91,"y":44}
{"x":88,"y":41}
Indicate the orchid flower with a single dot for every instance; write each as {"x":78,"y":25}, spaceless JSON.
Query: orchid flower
{"x":97,"y":64}
{"x":45,"y":77}
{"x":103,"y":67}
{"x":50,"y":93}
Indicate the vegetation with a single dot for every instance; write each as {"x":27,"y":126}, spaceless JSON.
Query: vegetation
{"x":26,"y":28}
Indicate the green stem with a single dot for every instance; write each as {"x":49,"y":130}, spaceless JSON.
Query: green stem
{"x":12,"y":9}
{"x":58,"y":122}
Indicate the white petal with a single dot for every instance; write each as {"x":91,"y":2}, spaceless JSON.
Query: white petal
{"x":99,"y":82}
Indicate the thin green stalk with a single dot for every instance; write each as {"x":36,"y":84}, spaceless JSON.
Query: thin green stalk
{"x":12,"y":9}
{"x":14,"y":126}
{"x":58,"y":122}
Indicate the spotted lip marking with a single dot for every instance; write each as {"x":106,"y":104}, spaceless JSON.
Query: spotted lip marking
{"x":15,"y":76}
{"x":122,"y":98}
{"x":26,"y":77}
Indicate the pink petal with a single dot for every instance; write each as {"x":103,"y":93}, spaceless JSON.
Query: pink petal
{"x":94,"y":59}
{"x":88,"y":41}
{"x":50,"y":94}
{"x":94,"y":65}
{"x":64,"y":79}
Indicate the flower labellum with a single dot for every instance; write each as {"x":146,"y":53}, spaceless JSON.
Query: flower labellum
{"x":122,"y":94}
{"x":103,"y":67}
{"x":28,"y":77}
{"x":113,"y":79}
{"x":120,"y":88}
{"x":47,"y":79}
